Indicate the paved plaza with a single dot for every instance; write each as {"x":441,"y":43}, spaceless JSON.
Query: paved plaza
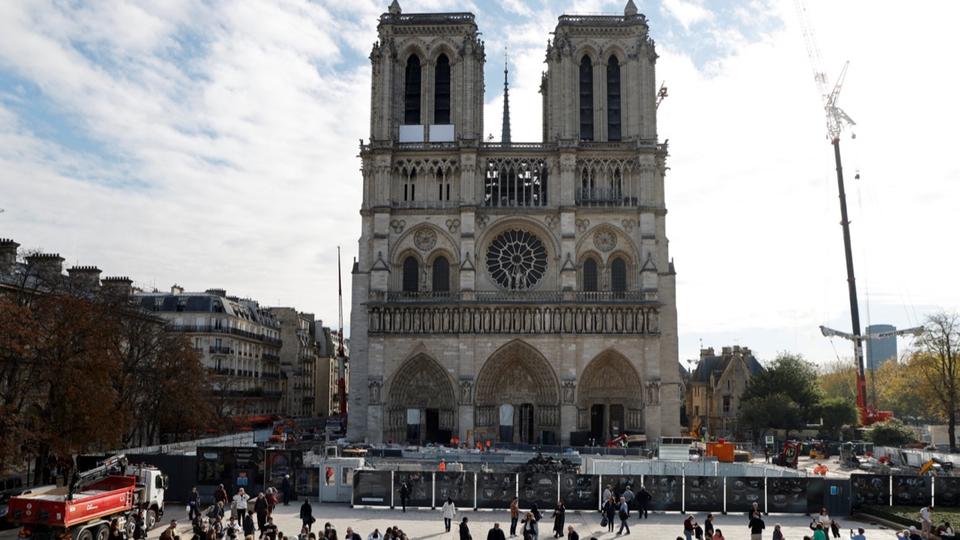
{"x":429,"y":524}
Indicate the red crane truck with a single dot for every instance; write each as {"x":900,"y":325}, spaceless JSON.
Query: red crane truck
{"x":84,"y":509}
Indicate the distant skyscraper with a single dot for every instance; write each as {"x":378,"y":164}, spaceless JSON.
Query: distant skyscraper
{"x":879,"y":350}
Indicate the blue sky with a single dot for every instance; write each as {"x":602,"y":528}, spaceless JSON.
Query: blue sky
{"x":213,"y":144}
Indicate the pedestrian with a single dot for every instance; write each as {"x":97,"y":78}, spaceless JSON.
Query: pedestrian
{"x":572,"y":534}
{"x":193,"y":504}
{"x":925,"y":520}
{"x":860,"y":536}
{"x":496,"y":533}
{"x":708,"y":527}
{"x":625,"y":515}
{"x":332,"y":534}
{"x":531,"y":530}
{"x":443,"y":466}
{"x":351,"y":535}
{"x":688,"y":525}
{"x":232,"y":529}
{"x":220,"y":495}
{"x":610,"y":509}
{"x":514,"y":516}
{"x":536,"y":512}
{"x":718,"y":535}
{"x":286,"y":489}
{"x":170,"y":533}
{"x":629,"y":496}
{"x":835,"y":528}
{"x":945,"y":531}
{"x":643,"y":500}
{"x":449,"y":512}
{"x":607,"y":492}
{"x":241,"y":499}
{"x":306,"y":514}
{"x":756,"y":527}
{"x":272,"y":499}
{"x":404,"y":493}
{"x":464,"y":530}
{"x":375,"y":535}
{"x":777,"y":533}
{"x":559,"y":517}
{"x":248,"y":526}
{"x":269,"y":530}
{"x":818,"y":532}
{"x":823,"y":518}
{"x":262,"y":509}
{"x":215,"y":514}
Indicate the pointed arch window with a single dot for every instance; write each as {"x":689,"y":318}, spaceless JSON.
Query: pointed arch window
{"x":590,"y":275}
{"x":441,"y":91}
{"x":411,"y":274}
{"x":613,"y":99}
{"x":441,"y":274}
{"x":586,"y":99}
{"x":411,"y":91}
{"x":618,"y":275}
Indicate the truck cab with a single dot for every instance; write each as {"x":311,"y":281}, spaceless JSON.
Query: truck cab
{"x":151,"y":485}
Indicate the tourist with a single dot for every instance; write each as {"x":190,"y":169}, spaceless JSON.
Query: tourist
{"x":756,"y":527}
{"x":286,"y":488}
{"x":824,"y":519}
{"x":858,"y":536}
{"x":248,"y":526}
{"x":464,"y":530}
{"x":220,"y":495}
{"x":232,"y":529}
{"x":193,"y":504}
{"x":331,"y":534}
{"x":115,"y":532}
{"x":375,"y":535}
{"x":170,"y":533}
{"x":559,"y":512}
{"x":818,"y":532}
{"x":269,"y":529}
{"x":628,"y":495}
{"x":215,"y":514}
{"x":404,"y":493}
{"x":262,"y":508}
{"x":514,"y":516}
{"x":643,"y":500}
{"x":708,"y":526}
{"x":945,"y":531}
{"x":530,"y":530}
{"x":624,"y":515}
{"x":240,"y":500}
{"x":610,"y":509}
{"x":835,"y":528}
{"x":272,"y":499}
{"x":777,"y":533}
{"x":607,"y":492}
{"x":925,"y":520}
{"x":449,"y":513}
{"x":688,"y":525}
{"x":718,"y":535}
{"x":536,"y":512}
{"x":572,"y":534}
{"x":350,"y":535}
{"x":496,"y":533}
{"x":306,"y":515}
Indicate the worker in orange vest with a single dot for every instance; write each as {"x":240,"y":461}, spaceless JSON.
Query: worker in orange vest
{"x":443,"y":466}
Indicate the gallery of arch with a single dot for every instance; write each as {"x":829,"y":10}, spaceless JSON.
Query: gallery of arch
{"x":512,"y":291}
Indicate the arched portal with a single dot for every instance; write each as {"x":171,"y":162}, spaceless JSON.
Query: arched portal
{"x":518,"y":396}
{"x":610,"y":397}
{"x":421,"y":403}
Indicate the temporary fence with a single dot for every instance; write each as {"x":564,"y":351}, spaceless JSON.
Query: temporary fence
{"x":683,"y":468}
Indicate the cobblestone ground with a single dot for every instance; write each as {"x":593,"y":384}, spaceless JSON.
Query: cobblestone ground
{"x":428,"y":523}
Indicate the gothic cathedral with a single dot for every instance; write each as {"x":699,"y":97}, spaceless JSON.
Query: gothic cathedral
{"x":516,"y":292}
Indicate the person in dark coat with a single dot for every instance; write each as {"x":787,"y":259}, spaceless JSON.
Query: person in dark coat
{"x":285,"y":489}
{"x":306,"y":514}
{"x":643,"y":499}
{"x":572,"y":534}
{"x":220,"y":495}
{"x":404,"y":494}
{"x":248,"y":525}
{"x":193,"y":504}
{"x":559,"y":516}
{"x":496,"y":533}
{"x":262,"y":508}
{"x":610,"y":509}
{"x":464,"y":530}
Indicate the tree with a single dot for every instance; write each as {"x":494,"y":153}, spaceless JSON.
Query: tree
{"x":839,"y":380}
{"x":789,"y":375}
{"x":891,"y":433}
{"x":939,"y":362}
{"x":774,"y":411}
{"x":836,"y":413}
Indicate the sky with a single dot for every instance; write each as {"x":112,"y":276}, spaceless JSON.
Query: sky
{"x":214,"y":144}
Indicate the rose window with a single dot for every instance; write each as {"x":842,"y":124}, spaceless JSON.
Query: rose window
{"x":516,"y":260}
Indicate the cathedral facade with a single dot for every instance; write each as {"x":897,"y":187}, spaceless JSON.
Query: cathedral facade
{"x":511,"y":291}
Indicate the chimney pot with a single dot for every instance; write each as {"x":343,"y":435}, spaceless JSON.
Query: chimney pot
{"x":8,"y":256}
{"x":48,"y":267}
{"x":85,"y":278}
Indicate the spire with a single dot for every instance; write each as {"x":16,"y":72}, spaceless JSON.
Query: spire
{"x":505,"y":133}
{"x":630,"y":10}
{"x":394,"y":8}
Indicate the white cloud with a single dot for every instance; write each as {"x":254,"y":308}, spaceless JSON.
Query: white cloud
{"x":687,"y":12}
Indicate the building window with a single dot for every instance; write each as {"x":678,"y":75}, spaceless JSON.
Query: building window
{"x":618,"y":275}
{"x":613,"y":99}
{"x":411,"y":274}
{"x":726,"y":404}
{"x":441,"y":91}
{"x":696,"y":410}
{"x":411,"y":91}
{"x":441,"y":274}
{"x":590,"y":275}
{"x":410,"y":187}
{"x":586,"y":99}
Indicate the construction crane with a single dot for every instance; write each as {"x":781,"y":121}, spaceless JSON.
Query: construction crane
{"x":836,"y":120}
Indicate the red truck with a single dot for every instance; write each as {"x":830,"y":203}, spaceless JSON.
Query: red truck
{"x":84,"y":509}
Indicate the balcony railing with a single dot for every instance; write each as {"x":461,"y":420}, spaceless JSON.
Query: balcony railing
{"x":604,"y":197}
{"x":214,"y":349}
{"x":523,"y":297}
{"x":270,"y":357}
{"x":210,"y":329}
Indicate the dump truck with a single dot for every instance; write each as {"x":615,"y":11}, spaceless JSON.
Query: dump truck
{"x":84,"y":509}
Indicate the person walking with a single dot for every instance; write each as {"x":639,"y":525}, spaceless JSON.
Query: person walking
{"x":241,"y":499}
{"x":514,"y":516}
{"x":925,"y":520}
{"x":215,"y":514}
{"x":220,"y":495}
{"x":610,"y":509}
{"x":404,"y":494}
{"x":688,"y":526}
{"x":248,"y":526}
{"x":572,"y":534}
{"x":643,"y":500}
{"x":193,"y":504}
{"x":306,"y":514}
{"x":496,"y":533}
{"x":777,"y":533}
{"x":449,"y":513}
{"x":262,"y":509}
{"x":823,"y":518}
{"x":756,"y":527}
{"x":818,"y":532}
{"x":718,"y":535}
{"x":629,"y":496}
{"x":531,"y":530}
{"x":464,"y":530}
{"x":624,"y":516}
{"x":607,"y":492}
{"x":286,"y":489}
{"x":559,"y":516}
{"x":708,"y":527}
